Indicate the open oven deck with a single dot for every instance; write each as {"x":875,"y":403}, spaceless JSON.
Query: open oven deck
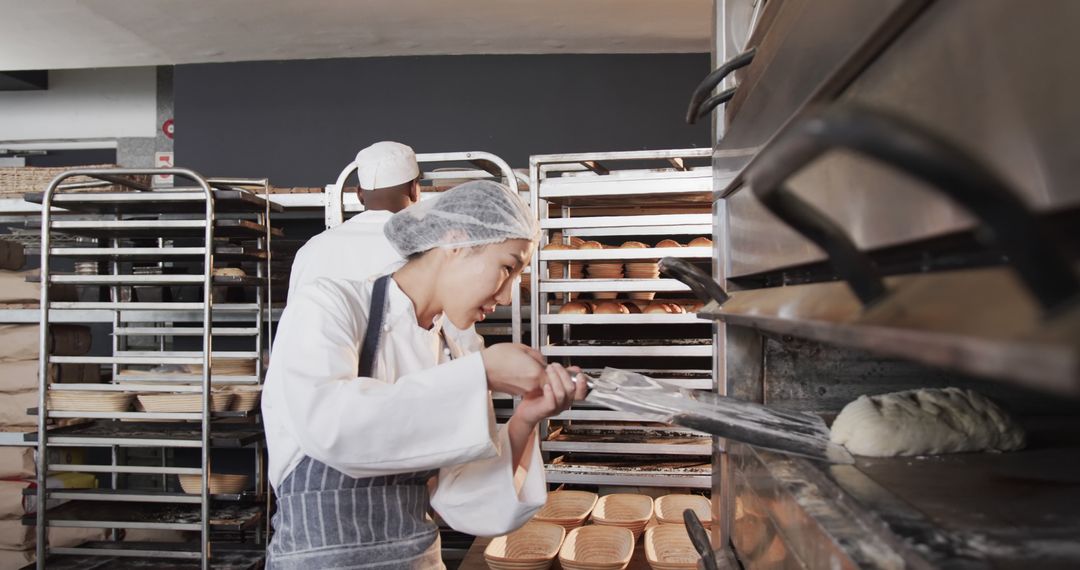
{"x":977,"y":510}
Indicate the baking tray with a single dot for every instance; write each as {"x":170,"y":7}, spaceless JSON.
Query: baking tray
{"x":97,"y":514}
{"x":243,"y":229}
{"x":141,"y":434}
{"x":225,"y":556}
{"x":627,"y":439}
{"x":138,"y":496}
{"x":643,"y":470}
{"x":221,"y":253}
{"x":176,"y":201}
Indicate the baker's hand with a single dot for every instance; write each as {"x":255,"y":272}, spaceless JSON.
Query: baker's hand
{"x":513,"y":369}
{"x":556,"y":395}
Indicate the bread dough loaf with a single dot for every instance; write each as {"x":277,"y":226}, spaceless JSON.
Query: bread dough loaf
{"x":611,"y":308}
{"x":575,"y":308}
{"x":925,"y":422}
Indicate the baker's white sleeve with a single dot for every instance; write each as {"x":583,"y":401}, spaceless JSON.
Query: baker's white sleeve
{"x":488,"y":497}
{"x":363,"y":426}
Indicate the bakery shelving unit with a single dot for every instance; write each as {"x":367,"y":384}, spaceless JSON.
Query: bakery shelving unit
{"x":482,"y":166}
{"x":506,"y":323}
{"x":160,"y":253}
{"x":440,"y":171}
{"x":608,"y":198}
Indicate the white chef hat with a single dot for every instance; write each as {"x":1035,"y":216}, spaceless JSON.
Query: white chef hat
{"x":385,"y":164}
{"x":474,"y":213}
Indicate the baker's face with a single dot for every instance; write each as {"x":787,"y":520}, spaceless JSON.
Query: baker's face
{"x":473,"y":281}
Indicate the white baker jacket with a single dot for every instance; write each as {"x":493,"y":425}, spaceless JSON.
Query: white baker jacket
{"x":421,"y":410}
{"x":356,"y":250}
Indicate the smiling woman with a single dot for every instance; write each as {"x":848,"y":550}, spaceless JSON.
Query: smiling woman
{"x":472,"y":242}
{"x":366,"y":400}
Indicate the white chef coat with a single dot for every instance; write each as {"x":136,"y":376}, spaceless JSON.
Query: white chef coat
{"x":356,"y":250}
{"x":415,"y":414}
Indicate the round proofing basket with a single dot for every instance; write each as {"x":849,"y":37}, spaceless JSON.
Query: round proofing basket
{"x":534,"y":545}
{"x":669,"y":508}
{"x":668,"y":547}
{"x":597,"y":548}
{"x":568,"y":509}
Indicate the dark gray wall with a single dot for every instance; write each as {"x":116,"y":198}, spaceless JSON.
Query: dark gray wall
{"x":300,"y":122}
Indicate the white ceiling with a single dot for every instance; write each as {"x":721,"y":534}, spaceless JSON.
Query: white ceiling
{"x":62,"y":34}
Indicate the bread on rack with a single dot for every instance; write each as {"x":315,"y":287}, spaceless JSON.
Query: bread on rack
{"x":669,"y":243}
{"x":611,"y":308}
{"x":575,"y":308}
{"x":557,"y":269}
{"x":700,"y":242}
{"x":657,"y":309}
{"x":633,"y":245}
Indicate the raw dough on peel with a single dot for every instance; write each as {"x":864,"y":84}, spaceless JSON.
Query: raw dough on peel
{"x":925,"y":422}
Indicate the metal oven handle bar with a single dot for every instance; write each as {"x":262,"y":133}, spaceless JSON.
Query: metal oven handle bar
{"x":714,"y":102}
{"x":703,"y":286}
{"x":1007,"y":222}
{"x":701,"y":92}
{"x":700,"y":539}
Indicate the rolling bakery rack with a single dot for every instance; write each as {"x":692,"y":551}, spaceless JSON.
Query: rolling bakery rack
{"x":179,"y":273}
{"x":589,"y":205}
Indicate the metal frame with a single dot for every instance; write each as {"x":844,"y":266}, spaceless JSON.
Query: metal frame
{"x":777,"y":511}
{"x":570,"y":181}
{"x":334,"y":207}
{"x":213,"y":198}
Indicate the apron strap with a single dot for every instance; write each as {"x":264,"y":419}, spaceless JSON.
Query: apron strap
{"x":376,"y":316}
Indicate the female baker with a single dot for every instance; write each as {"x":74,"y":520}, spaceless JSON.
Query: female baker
{"x":366,"y":400}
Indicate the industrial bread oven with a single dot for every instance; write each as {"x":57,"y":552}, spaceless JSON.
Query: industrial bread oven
{"x":896,"y":207}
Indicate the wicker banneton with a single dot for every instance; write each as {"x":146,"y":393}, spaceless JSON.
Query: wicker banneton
{"x":219,"y":483}
{"x":668,"y":547}
{"x":245,"y":398}
{"x":83,"y":401}
{"x":533,"y":546}
{"x":568,"y":509}
{"x":597,"y":548}
{"x":183,"y":403}
{"x":669,"y":508}
{"x":626,"y":510}
{"x":19,"y":180}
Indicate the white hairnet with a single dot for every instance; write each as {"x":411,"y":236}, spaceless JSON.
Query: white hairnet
{"x":474,"y":213}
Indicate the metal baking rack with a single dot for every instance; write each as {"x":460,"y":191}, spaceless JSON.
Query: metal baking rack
{"x":162,"y":244}
{"x":646,"y":196}
{"x":505,"y":322}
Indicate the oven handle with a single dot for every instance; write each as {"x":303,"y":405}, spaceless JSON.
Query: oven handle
{"x":701,"y":92}
{"x":714,"y":102}
{"x":703,"y":286}
{"x":1007,"y":223}
{"x":700,"y":539}
{"x":852,"y":265}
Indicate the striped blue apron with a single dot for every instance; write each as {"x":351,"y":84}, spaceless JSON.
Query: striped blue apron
{"x":328,"y":520}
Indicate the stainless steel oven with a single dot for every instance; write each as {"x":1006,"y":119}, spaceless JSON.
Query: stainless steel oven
{"x":897,"y":207}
